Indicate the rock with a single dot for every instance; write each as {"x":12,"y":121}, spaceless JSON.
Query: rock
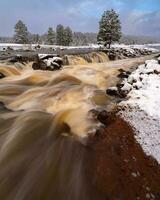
{"x":117,"y":91}
{"x":53,"y":62}
{"x":126,"y":87}
{"x":122,"y":53}
{"x":121,"y":70}
{"x":47,"y":56}
{"x":123,"y":75}
{"x":119,"y":85}
{"x":2,"y":75}
{"x":92,"y":114}
{"x":49,"y":64}
{"x":103,"y":117}
{"x":112,"y":56}
{"x":156,"y":72}
{"x":158,"y":60}
{"x":123,"y":93}
{"x":35,"y":66}
{"x":39,"y":65}
{"x":112,"y":91}
{"x":23,"y":58}
{"x":10,"y":48}
{"x":3,"y":107}
{"x":57,"y":62}
{"x":38,"y":47}
{"x":56,"y":66}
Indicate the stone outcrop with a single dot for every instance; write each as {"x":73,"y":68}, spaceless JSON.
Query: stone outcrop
{"x":122,"y":53}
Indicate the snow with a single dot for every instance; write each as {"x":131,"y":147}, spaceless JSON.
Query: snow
{"x":32,"y":46}
{"x":41,"y":56}
{"x":127,"y":87}
{"x":147,"y":97}
{"x":129,"y":48}
{"x":51,"y":61}
{"x":142,"y":106}
{"x":147,"y":131}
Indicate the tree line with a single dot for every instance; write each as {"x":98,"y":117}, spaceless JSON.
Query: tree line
{"x":61,"y":36}
{"x":109,"y":32}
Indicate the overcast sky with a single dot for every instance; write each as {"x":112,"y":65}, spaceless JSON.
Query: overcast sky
{"x":138,"y":17}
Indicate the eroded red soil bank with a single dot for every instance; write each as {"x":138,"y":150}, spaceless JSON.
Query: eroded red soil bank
{"x":118,"y":167}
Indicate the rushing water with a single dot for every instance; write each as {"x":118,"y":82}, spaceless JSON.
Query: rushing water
{"x":43,"y":131}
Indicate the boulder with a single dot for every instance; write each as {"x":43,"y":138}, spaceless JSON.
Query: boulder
{"x":123,"y":75}
{"x":3,"y":108}
{"x":39,"y":65}
{"x":112,"y":56}
{"x":103,"y":117}
{"x":52,"y":61}
{"x":2,"y":75}
{"x":35,"y":66}
{"x":92,"y":114}
{"x":112,"y":91}
{"x":156,"y":72}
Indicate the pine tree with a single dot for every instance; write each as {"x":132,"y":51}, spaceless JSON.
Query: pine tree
{"x":68,"y":36}
{"x":21,"y":33}
{"x":79,"y":39}
{"x":60,"y":36}
{"x":34,"y":38}
{"x":109,"y":28}
{"x":51,"y":36}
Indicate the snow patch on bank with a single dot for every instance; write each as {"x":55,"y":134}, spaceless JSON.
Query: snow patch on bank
{"x":132,"y":48}
{"x":90,"y":46}
{"x":142,"y":107}
{"x":147,"y":131}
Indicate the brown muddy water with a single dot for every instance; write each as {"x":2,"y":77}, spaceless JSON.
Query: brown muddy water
{"x":44,"y":152}
{"x":43,"y":134}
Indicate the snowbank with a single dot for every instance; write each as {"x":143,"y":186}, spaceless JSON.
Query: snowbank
{"x":145,"y":88}
{"x":33,"y":46}
{"x":142,"y":106}
{"x":131,"y":48}
{"x":90,"y":46}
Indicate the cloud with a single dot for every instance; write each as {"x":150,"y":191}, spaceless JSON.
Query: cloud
{"x":138,"y":16}
{"x":141,"y":23}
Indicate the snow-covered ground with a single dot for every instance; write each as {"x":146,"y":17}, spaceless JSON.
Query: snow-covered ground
{"x":142,"y":107}
{"x":32,"y":46}
{"x":153,"y":47}
{"x":91,"y":46}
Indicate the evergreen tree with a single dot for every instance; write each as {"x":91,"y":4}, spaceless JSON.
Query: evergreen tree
{"x":60,"y":36}
{"x":21,"y":33}
{"x":79,"y":39}
{"x":34,"y":38}
{"x":109,"y":28}
{"x":51,"y":36}
{"x":68,"y":36}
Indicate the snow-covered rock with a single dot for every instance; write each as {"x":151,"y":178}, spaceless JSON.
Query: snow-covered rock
{"x":48,"y":62}
{"x":142,"y":107}
{"x":52,"y":61}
